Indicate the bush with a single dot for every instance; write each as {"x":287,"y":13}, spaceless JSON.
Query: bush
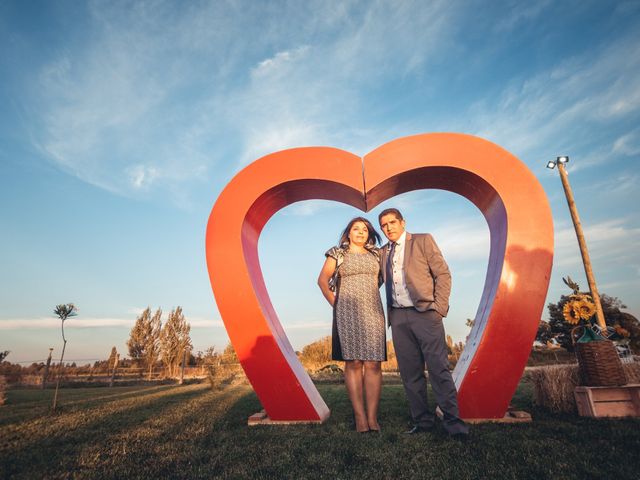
{"x":221,"y":374}
{"x":3,"y":389}
{"x":317,"y":355}
{"x":12,"y":372}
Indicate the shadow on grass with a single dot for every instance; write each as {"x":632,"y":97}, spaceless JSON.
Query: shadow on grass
{"x":202,"y":433}
{"x":27,"y":451}
{"x":29,"y":404}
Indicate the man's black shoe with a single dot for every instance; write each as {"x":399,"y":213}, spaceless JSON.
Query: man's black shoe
{"x":418,"y":429}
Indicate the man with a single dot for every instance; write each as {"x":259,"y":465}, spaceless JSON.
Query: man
{"x":418,"y":284}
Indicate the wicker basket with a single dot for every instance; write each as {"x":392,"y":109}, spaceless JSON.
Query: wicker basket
{"x":599,"y":363}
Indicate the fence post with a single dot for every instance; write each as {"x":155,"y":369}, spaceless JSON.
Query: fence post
{"x":184,"y":360}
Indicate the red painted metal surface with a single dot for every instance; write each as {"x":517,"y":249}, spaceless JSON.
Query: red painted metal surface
{"x":520,"y":259}
{"x":507,"y":193}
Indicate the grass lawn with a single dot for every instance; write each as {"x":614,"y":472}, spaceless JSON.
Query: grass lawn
{"x":192,"y":431}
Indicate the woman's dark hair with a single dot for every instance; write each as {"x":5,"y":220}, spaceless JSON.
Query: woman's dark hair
{"x":374,"y":236}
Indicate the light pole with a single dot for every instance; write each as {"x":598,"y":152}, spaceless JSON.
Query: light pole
{"x":559,"y":162}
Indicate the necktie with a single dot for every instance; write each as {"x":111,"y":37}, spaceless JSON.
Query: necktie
{"x":388,"y":284}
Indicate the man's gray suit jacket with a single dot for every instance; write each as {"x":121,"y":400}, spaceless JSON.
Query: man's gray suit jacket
{"x":425,"y":272}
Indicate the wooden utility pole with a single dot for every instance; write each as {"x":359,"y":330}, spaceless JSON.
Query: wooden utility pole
{"x":583,"y":246}
{"x":45,"y":374}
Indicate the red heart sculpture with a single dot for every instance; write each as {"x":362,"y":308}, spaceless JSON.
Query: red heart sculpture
{"x":502,"y":187}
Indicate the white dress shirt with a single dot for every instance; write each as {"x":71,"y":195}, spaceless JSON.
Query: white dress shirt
{"x":400,"y":293}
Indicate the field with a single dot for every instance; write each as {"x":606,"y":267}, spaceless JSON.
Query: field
{"x":193,"y":431}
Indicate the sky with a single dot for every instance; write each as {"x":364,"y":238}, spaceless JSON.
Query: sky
{"x":121,"y":122}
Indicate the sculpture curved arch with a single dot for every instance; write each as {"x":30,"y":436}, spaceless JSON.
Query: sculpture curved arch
{"x":501,"y":186}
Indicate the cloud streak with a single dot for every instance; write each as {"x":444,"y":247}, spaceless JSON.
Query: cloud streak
{"x":46,"y":323}
{"x":142,"y":105}
{"x":613,"y":240}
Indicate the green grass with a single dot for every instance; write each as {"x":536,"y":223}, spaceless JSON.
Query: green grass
{"x":192,"y":431}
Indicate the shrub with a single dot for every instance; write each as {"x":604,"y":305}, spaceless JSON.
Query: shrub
{"x":3,"y":389}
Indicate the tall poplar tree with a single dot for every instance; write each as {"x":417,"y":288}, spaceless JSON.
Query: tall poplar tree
{"x":174,"y":340}
{"x":144,"y":339}
{"x":137,"y":337}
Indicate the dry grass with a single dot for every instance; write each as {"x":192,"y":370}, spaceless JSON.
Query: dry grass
{"x":554,"y":385}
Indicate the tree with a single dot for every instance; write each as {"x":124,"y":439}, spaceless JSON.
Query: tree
{"x":544,"y":334}
{"x":137,"y":336}
{"x":208,"y":357}
{"x":63,"y":312}
{"x":557,"y":328}
{"x":153,"y":340}
{"x":144,"y":339}
{"x":229,"y":353}
{"x":3,"y":355}
{"x":174,"y":340}
{"x":112,"y":357}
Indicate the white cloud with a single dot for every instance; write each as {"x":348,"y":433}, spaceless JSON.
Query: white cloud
{"x":88,"y":322}
{"x":464,"y":240}
{"x":628,"y":144}
{"x":556,"y":106}
{"x":142,"y":176}
{"x":158,"y":96}
{"x":518,"y":13}
{"x":308,"y":208}
{"x":308,"y":325}
{"x":54,"y":323}
{"x":612,"y":240}
{"x":174,"y":86}
{"x":276,"y":66}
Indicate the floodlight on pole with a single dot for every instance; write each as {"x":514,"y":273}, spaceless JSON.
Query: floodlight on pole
{"x":586,"y":261}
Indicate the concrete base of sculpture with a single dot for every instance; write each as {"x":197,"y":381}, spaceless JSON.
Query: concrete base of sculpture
{"x":261,"y":418}
{"x":512,"y":416}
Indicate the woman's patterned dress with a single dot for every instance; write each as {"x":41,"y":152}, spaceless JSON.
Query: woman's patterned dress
{"x":358,"y":314}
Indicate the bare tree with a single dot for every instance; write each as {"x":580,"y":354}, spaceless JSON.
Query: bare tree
{"x":174,"y":340}
{"x":63,"y":312}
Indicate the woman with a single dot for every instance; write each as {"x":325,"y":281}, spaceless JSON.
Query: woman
{"x":358,"y":318}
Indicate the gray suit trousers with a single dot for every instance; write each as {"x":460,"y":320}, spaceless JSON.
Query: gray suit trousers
{"x":418,"y":338}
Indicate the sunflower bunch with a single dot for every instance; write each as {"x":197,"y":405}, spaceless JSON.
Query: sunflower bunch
{"x":579,"y":307}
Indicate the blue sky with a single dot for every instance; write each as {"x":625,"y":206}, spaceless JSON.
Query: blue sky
{"x":122,"y":122}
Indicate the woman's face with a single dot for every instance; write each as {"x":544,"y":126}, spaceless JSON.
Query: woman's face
{"x":359,"y":234}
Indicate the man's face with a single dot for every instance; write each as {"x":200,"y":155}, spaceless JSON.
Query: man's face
{"x":391,"y":227}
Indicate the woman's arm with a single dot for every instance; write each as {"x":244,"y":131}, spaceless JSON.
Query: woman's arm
{"x":323,"y":279}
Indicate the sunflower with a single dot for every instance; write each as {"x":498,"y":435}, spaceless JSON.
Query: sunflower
{"x":585,"y":308}
{"x":571,"y":313}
